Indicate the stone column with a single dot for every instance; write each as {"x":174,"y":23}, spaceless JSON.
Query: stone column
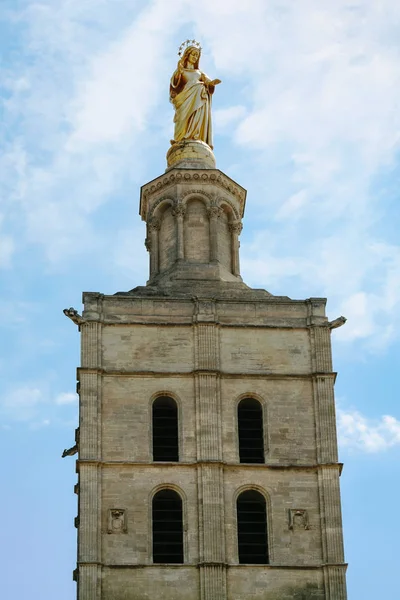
{"x":214,"y":213}
{"x":235,"y":228}
{"x":179,"y":212}
{"x":210,"y":474}
{"x":154,"y":227}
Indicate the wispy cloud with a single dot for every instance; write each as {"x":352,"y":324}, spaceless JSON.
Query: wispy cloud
{"x":66,"y":398}
{"x":357,"y":432}
{"x":312,"y":101}
{"x":34,"y":404}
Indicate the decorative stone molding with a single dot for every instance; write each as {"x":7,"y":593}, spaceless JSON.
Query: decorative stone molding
{"x":170,"y":198}
{"x":198,"y":192}
{"x":184,"y":176}
{"x":147,"y":243}
{"x":298,"y":519}
{"x":117,"y":521}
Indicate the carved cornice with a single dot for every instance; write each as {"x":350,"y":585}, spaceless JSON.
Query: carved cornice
{"x":184,"y":176}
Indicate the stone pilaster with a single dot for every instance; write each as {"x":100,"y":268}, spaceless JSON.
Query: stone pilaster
{"x":214,"y":213}
{"x":235,"y":228}
{"x":321,"y":353}
{"x":90,"y":346}
{"x":324,"y":400}
{"x":331,"y":518}
{"x":89,"y":450}
{"x":89,"y":414}
{"x":179,"y":213}
{"x":335,"y":582}
{"x":325,"y":418}
{"x":88,"y":550}
{"x":89,"y":578}
{"x":154,"y":227}
{"x":210,"y":474}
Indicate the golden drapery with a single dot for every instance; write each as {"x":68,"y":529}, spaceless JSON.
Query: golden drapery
{"x":190,"y":93}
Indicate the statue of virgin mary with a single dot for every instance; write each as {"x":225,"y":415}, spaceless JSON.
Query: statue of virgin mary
{"x":190,"y":93}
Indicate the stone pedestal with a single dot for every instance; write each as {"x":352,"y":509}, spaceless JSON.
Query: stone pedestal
{"x":190,"y":154}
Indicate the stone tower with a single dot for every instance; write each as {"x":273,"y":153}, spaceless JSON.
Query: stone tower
{"x":208,"y":465}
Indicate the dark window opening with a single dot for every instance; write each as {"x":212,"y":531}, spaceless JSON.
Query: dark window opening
{"x":167,"y":527}
{"x":252,"y":528}
{"x":165,"y":429}
{"x":251,"y":435}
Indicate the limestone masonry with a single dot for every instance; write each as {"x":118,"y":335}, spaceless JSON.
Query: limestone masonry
{"x":198,"y":336}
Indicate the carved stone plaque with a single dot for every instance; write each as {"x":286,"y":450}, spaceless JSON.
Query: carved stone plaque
{"x":298,"y":518}
{"x":117,"y":520}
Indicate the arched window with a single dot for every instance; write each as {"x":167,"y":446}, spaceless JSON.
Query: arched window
{"x":167,"y":527}
{"x":252,"y":528}
{"x":251,"y":434}
{"x":165,"y":429}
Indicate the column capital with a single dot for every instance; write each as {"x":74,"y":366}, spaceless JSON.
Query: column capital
{"x":236,"y":227}
{"x":179,"y":210}
{"x":154,"y":224}
{"x":214,"y":211}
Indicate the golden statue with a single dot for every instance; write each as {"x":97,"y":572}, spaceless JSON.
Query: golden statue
{"x":190,"y":93}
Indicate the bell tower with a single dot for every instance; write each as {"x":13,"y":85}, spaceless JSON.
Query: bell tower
{"x":207,"y":465}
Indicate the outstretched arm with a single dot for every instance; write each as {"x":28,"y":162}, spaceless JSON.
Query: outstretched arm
{"x":210,"y":83}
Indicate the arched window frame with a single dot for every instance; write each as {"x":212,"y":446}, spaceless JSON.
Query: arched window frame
{"x":264,"y":408}
{"x":173,"y":396}
{"x":270,"y":530}
{"x":178,"y":490}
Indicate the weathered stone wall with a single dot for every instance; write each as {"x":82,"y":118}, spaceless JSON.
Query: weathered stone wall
{"x":207,"y":355}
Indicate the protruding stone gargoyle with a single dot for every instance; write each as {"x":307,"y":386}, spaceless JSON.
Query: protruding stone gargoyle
{"x":74,"y":449}
{"x":73,"y":314}
{"x":70,"y":451}
{"x":336,"y":322}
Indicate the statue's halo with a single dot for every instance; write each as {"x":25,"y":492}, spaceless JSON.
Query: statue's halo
{"x":187,"y":44}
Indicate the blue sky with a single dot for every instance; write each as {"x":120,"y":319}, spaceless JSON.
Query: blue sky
{"x":307,"y":119}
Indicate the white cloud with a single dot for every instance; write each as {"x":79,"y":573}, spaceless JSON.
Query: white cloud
{"x":6,"y":250}
{"x":21,"y":403}
{"x":225,"y":118}
{"x":66,"y":398}
{"x":355,"y":431}
{"x":34,"y":404}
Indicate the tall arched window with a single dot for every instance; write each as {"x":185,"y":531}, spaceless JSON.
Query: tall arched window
{"x":167,"y":527}
{"x":251,"y":433}
{"x":165,"y":429}
{"x":252,"y":528}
